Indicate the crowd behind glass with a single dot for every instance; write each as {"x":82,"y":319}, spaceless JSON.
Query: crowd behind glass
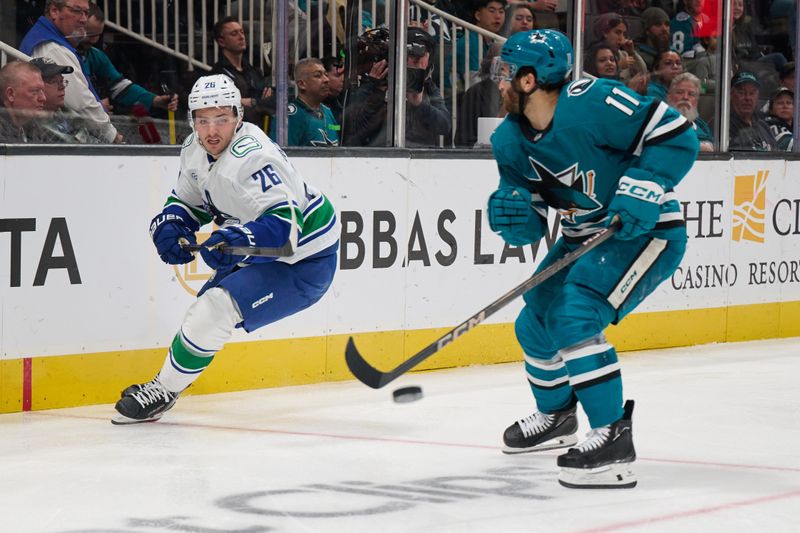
{"x":72,"y":92}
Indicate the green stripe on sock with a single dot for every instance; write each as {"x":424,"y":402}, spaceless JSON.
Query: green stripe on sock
{"x":185,"y":358}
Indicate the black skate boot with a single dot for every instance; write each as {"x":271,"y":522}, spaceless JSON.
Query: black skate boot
{"x":541,"y":431}
{"x":143,"y":403}
{"x":603,"y":460}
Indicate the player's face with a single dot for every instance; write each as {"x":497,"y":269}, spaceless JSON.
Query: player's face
{"x":783,"y":108}
{"x":491,"y":17}
{"x":215,"y":128}
{"x":743,"y":99}
{"x":54,"y":90}
{"x":606,"y":65}
{"x":71,"y":19}
{"x":233,"y":37}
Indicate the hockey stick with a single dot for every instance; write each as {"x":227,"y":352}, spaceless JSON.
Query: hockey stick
{"x":372,"y":377}
{"x":286,"y":250}
{"x":283,"y":251}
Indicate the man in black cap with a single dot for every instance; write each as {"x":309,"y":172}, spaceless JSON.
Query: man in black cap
{"x":655,"y":40}
{"x":60,"y":124}
{"x":427,"y":116}
{"x":748,"y":130}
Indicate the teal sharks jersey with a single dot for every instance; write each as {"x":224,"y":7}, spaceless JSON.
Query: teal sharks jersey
{"x":600,"y":132}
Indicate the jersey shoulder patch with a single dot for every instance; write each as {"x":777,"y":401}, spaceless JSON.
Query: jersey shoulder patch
{"x":683,"y":16}
{"x":244,"y":145}
{"x":579,"y":87}
{"x":292,"y":109}
{"x":189,"y":140}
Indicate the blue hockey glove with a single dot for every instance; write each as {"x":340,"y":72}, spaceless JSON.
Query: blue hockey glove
{"x":234,"y":235}
{"x":166,"y":230}
{"x":637,"y":203}
{"x":513,"y":218}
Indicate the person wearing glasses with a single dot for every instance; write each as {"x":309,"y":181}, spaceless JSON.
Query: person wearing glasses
{"x":64,"y":21}
{"x":60,"y":123}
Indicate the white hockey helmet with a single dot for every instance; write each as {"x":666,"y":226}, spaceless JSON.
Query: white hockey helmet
{"x":217,"y":90}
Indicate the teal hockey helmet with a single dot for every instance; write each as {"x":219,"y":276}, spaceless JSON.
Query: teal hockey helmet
{"x":549,"y":52}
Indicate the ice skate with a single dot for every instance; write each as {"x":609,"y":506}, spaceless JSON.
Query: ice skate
{"x":604,"y":459}
{"x":143,"y":403}
{"x":541,"y":431}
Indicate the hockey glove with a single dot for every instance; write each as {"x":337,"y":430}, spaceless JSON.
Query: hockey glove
{"x":637,"y":203}
{"x":167,"y":230}
{"x":513,"y":218}
{"x":233,"y":235}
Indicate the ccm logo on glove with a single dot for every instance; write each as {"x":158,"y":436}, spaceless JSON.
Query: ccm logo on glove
{"x":649,"y":191}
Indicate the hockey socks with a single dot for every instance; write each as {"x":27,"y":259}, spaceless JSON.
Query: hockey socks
{"x":184,"y":363}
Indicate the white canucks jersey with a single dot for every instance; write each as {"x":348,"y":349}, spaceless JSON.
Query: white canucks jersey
{"x":253,"y":179}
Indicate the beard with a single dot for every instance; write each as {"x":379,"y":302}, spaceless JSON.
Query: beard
{"x":687,"y":110}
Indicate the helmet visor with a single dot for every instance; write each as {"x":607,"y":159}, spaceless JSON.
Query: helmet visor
{"x":502,"y":70}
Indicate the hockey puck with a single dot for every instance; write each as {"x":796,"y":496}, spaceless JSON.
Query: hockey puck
{"x":407,"y":394}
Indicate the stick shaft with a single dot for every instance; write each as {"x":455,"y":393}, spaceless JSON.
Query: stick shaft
{"x":372,"y":377}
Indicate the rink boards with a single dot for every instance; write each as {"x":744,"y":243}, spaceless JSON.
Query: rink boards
{"x":88,"y":308}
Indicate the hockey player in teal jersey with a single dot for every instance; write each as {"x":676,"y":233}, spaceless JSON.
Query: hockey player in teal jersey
{"x":594,"y":151}
{"x":233,"y":174}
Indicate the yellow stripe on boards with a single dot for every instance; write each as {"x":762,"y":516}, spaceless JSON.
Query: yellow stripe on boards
{"x":85,"y":379}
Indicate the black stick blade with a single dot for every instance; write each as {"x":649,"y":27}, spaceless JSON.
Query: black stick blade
{"x":361,"y":369}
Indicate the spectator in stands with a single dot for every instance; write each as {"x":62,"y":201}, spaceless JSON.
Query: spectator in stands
{"x":50,"y":37}
{"x":257,"y":98}
{"x":310,"y":122}
{"x":480,"y":100}
{"x":488,"y":15}
{"x":630,"y":8}
{"x":123,"y":93}
{"x":745,"y":46}
{"x":704,"y":64}
{"x":666,"y":66}
{"x":427,"y":116}
{"x":62,"y":125}
{"x":519,"y":17}
{"x":612,"y":30}
{"x":687,"y":27}
{"x":655,"y":40}
{"x":601,"y":62}
{"x":780,"y":117}
{"x":684,"y":95}
{"x":787,"y":75}
{"x":334,"y":68}
{"x":23,"y":98}
{"x":748,"y":131}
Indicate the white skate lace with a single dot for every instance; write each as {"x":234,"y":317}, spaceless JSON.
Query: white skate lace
{"x":535,"y":423}
{"x":594,"y":439}
{"x":151,"y":392}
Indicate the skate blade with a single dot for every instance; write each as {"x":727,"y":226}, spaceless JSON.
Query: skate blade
{"x":122,"y":420}
{"x":613,"y":476}
{"x":552,"y":444}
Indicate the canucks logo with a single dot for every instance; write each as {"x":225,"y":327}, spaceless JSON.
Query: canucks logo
{"x":569,"y":191}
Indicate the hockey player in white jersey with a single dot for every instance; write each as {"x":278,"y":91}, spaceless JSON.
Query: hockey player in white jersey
{"x":233,"y":174}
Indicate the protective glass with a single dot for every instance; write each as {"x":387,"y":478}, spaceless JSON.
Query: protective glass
{"x":502,"y":71}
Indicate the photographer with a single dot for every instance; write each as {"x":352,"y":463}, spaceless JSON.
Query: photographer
{"x":365,"y":115}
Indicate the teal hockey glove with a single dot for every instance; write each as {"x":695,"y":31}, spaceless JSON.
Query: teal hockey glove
{"x":513,"y":218}
{"x":637,"y":203}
